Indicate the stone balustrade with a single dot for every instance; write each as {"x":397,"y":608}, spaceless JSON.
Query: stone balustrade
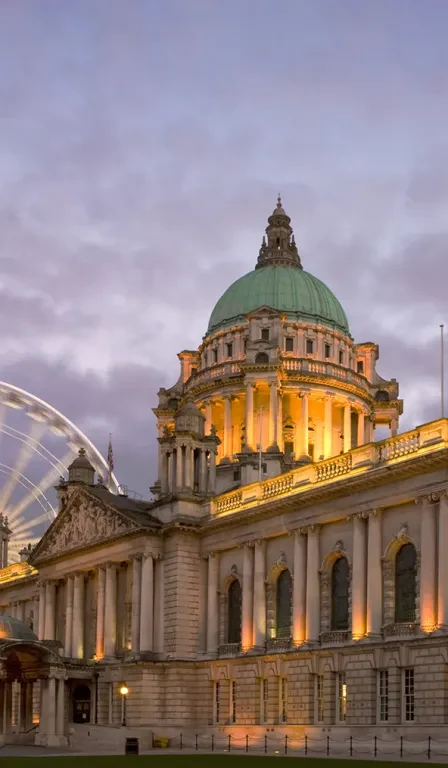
{"x":428,"y":437}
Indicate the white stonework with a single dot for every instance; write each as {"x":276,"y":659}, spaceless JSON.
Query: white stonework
{"x":179,"y":598}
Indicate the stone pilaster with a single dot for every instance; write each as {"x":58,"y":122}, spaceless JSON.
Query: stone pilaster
{"x":428,"y":561}
{"x":442,"y":582}
{"x":313,"y":584}
{"x":147,"y":604}
{"x":50,"y":607}
{"x":212,"y":603}
{"x":68,"y":616}
{"x":110,"y":624}
{"x":136,"y":602}
{"x":78,"y":617}
{"x":299,"y":589}
{"x":248,"y":597}
{"x":359,"y":594}
{"x":259,"y":614}
{"x":250,"y":415}
{"x":100,"y":612}
{"x":374,"y":617}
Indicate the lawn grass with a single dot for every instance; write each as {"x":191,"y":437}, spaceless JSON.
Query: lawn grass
{"x":182,"y":761}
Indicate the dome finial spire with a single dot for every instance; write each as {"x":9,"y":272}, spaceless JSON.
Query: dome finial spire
{"x":280,"y":248}
{"x":279,"y":200}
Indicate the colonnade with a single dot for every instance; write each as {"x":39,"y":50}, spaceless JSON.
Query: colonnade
{"x":142,"y":627}
{"x":324,"y":442}
{"x":367,"y":617}
{"x":187,"y":467}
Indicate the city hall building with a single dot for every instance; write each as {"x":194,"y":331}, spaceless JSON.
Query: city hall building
{"x":289,"y":575}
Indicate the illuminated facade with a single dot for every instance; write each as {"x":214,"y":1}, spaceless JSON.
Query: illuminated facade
{"x":290,"y":573}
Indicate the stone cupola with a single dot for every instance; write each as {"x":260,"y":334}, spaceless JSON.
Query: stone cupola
{"x":189,"y":419}
{"x":280,"y":248}
{"x":81,"y":470}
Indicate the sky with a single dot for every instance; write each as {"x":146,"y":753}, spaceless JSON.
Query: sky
{"x":142,"y":147}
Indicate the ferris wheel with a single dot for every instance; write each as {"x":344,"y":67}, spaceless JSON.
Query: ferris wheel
{"x":41,"y":444}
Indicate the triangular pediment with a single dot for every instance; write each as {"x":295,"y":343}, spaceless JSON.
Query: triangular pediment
{"x":84,"y":522}
{"x":264,"y":311}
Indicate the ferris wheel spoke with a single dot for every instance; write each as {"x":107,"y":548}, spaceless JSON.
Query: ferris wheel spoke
{"x":40,"y":498}
{"x":23,"y":459}
{"x":50,"y":478}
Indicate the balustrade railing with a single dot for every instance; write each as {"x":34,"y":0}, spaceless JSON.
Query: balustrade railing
{"x":278,"y":644}
{"x":432,"y":436}
{"x":335,"y":637}
{"x":403,"y":629}
{"x":229,"y":649}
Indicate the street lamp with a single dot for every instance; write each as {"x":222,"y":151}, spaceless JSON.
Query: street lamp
{"x":124,"y":690}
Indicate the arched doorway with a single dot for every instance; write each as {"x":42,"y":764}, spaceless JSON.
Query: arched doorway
{"x":81,"y":704}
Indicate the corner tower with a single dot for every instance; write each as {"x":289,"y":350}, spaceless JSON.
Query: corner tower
{"x":278,"y":376}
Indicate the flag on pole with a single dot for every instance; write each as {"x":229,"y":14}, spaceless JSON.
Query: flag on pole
{"x":110,"y":459}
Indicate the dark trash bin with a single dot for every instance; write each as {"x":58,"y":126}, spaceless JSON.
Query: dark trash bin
{"x":131,"y":747}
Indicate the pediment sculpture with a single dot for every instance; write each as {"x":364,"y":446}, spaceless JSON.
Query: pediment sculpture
{"x":85,"y":524}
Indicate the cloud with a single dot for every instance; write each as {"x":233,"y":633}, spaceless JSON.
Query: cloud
{"x":142,"y":147}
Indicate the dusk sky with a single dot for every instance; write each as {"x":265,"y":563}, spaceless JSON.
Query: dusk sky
{"x":142,"y":147}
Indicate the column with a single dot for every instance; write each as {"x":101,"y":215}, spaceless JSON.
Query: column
{"x":60,"y":719}
{"x":147,"y":604}
{"x":100,"y":608}
{"x":50,"y":605}
{"x":280,"y":421}
{"x":68,"y":617}
{"x":259,"y":610}
{"x":428,"y":565}
{"x":208,"y":416}
{"x":78,"y":617}
{"x":248,"y":597}
{"x":393,"y":427}
{"x":179,"y":467}
{"x":227,"y":441}
{"x":203,"y":471}
{"x":304,"y":425}
{"x":374,"y":575}
{"x":328,"y":433}
{"x":312,"y":585}
{"x":188,"y":468}
{"x":273,"y":414}
{"x":359,"y":577}
{"x":110,"y":625}
{"x":29,"y":705}
{"x":159,"y":604}
{"x":136,"y":602}
{"x":212,"y":603}
{"x":299,"y":590}
{"x":43,"y":709}
{"x":212,"y":472}
{"x":361,"y":435}
{"x":41,"y":629}
{"x":7,"y":707}
{"x":164,"y":477}
{"x":442,"y":585}
{"x":51,"y":707}
{"x":347,"y":427}
{"x":250,"y":416}
{"x":22,"y":706}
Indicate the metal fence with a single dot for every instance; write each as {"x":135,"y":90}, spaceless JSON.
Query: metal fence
{"x":327,"y":746}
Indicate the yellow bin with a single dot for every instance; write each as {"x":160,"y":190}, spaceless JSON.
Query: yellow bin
{"x":161,"y":743}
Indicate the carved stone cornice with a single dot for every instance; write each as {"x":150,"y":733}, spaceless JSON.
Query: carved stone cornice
{"x":427,"y":499}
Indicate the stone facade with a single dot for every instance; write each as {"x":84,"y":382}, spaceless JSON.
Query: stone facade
{"x":132,"y":595}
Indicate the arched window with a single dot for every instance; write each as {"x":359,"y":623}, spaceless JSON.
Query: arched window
{"x":339,"y":594}
{"x":283,"y":604}
{"x":405,"y":583}
{"x":262,"y":358}
{"x":234,"y":612}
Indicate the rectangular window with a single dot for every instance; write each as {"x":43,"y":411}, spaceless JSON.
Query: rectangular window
{"x":194,"y":371}
{"x":360,"y":366}
{"x":309,"y":346}
{"x":283,"y":694}
{"x":319,"y":709}
{"x":342,"y":699}
{"x":341,"y":357}
{"x":289,"y":344}
{"x":229,"y":350}
{"x":265,"y":334}
{"x":408,"y":695}
{"x":233,"y":702}
{"x":327,"y":350}
{"x":264,"y":701}
{"x":215,"y":355}
{"x":383,"y":696}
{"x":216,"y":703}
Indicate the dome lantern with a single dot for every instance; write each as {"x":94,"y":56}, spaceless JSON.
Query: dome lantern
{"x":280,"y":248}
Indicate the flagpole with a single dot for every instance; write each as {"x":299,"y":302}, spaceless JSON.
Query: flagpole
{"x":442,"y":373}
{"x":260,"y":450}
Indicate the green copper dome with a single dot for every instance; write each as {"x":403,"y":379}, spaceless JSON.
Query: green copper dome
{"x":287,"y":289}
{"x":279,"y":282}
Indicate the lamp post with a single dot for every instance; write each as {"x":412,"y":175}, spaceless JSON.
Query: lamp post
{"x":124,"y":690}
